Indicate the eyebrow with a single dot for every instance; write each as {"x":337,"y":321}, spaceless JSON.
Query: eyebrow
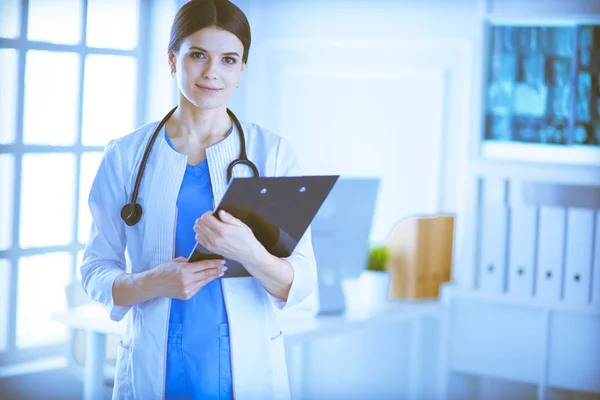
{"x":232,"y":53}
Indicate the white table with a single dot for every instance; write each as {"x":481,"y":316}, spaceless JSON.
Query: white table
{"x":94,"y":320}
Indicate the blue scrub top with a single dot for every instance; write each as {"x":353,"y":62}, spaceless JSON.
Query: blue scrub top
{"x":198,"y":353}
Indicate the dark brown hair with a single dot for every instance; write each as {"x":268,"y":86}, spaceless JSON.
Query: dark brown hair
{"x":199,"y":14}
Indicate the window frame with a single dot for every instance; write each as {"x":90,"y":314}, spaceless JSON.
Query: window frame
{"x":12,"y":354}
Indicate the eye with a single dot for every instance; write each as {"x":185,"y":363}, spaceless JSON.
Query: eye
{"x":229,"y":60}
{"x":197,"y":55}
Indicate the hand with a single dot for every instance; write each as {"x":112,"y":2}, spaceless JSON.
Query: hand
{"x":228,"y":237}
{"x":181,"y":280}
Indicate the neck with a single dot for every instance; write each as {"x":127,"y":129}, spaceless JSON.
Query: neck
{"x":193,"y":124}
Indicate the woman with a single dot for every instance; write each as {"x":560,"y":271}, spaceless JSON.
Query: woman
{"x":190,"y":334}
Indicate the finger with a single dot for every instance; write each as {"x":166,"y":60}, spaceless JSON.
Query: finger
{"x":202,"y":226}
{"x":204,"y":265}
{"x":205,"y":239}
{"x":211,"y":221}
{"x":208,"y":275}
{"x":229,"y":219}
{"x":201,"y":283}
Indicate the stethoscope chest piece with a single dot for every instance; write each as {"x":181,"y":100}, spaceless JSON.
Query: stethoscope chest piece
{"x":131,"y":213}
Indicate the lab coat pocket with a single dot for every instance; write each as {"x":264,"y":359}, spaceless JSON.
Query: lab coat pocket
{"x":224,"y":362}
{"x":123,"y":373}
{"x":281,"y":389}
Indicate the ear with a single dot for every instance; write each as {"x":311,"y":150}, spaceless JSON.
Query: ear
{"x":172,"y":59}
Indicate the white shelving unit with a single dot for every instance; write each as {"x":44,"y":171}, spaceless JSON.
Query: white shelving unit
{"x":526,"y":306}
{"x":541,"y":153}
{"x":556,"y":345}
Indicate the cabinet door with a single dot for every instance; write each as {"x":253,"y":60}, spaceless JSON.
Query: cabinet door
{"x":497,"y":340}
{"x":574,"y":352}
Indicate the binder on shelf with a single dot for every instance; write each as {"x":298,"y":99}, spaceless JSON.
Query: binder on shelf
{"x":493,"y":233}
{"x":578,"y":257}
{"x":522,"y":250}
{"x":596,"y":264}
{"x":550,"y":253}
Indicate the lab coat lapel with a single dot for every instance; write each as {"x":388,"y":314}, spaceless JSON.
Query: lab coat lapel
{"x":245,"y":299}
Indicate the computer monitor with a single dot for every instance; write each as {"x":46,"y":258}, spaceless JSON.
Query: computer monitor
{"x":340,"y":235}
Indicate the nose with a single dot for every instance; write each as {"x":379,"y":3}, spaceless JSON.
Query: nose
{"x":210,"y":71}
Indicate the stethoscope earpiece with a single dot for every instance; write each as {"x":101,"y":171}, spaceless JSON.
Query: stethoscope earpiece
{"x":131,"y":213}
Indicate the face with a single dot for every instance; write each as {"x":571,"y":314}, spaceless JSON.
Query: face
{"x":208,"y":67}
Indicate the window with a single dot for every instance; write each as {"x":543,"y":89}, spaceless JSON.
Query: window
{"x":69,"y":73}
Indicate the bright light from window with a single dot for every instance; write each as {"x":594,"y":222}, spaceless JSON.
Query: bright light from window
{"x":10,"y":18}
{"x":47,"y":200}
{"x":56,"y":21}
{"x":8,"y":93}
{"x":41,"y":292}
{"x":51,"y":98}
{"x":122,"y":16}
{"x":89,"y":167}
{"x":78,"y":266}
{"x":108,"y":98}
{"x":7,"y":187}
{"x":4,"y":293}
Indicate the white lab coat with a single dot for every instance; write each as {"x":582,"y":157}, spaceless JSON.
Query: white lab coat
{"x":257,"y":352}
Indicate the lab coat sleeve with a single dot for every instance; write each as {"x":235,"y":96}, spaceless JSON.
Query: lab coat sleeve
{"x":302,"y":259}
{"x":104,"y":255}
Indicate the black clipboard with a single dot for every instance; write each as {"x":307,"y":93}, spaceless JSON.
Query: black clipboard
{"x":279,"y":210}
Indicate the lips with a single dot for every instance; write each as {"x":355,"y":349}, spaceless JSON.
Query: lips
{"x":208,"y":89}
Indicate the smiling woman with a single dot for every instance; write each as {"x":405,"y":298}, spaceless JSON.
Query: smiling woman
{"x":191,"y":334}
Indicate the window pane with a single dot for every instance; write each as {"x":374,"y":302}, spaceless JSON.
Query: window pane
{"x":89,"y":166}
{"x":78,"y":266}
{"x":108,"y":98}
{"x":7,"y":184}
{"x":123,"y":18}
{"x":57,"y":21}
{"x":8,"y":94}
{"x":47,"y":200}
{"x":10,"y":18}
{"x":41,"y":292}
{"x":4,"y":296}
{"x":51,"y":79}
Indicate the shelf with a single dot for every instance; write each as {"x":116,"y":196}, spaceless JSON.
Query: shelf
{"x":534,"y":152}
{"x":578,"y":175}
{"x":451,"y":291}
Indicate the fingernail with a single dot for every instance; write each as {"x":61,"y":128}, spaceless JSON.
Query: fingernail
{"x":224,"y":269}
{"x":222,"y":262}
{"x":221,"y":274}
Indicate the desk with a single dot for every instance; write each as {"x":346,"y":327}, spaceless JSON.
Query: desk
{"x":93,"y":319}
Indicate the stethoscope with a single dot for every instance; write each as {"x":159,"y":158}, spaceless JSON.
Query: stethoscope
{"x":131,"y":212}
